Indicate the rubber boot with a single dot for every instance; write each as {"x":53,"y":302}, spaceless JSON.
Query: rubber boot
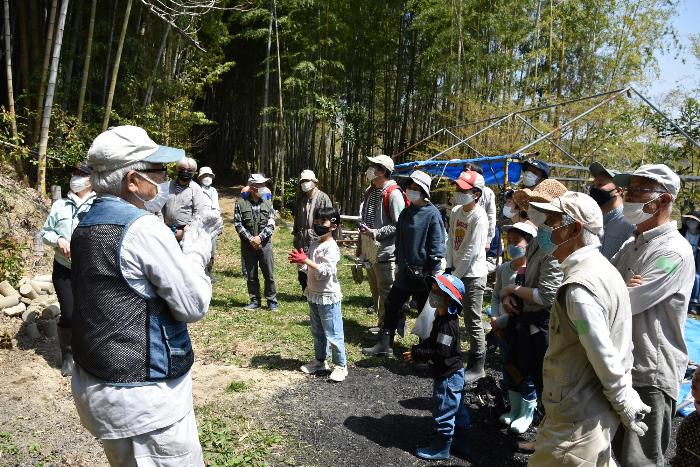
{"x":524,"y":420}
{"x":460,"y":442}
{"x":475,"y":370}
{"x":516,"y":401}
{"x":64,"y":337}
{"x":383,"y":346}
{"x":439,"y":449}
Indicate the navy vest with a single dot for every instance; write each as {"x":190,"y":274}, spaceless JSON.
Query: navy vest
{"x":119,"y":335}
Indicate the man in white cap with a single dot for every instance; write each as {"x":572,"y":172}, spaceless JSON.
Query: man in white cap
{"x":254,"y":220}
{"x":657,"y":265}
{"x":616,"y":230}
{"x":310,"y":199}
{"x":135,"y":291}
{"x":186,"y":200}
{"x":420,"y":249}
{"x":587,"y":385}
{"x":379,"y":213}
{"x":466,"y":259}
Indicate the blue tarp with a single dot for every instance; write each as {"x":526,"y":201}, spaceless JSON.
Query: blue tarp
{"x":692,"y":341}
{"x":493,"y":168}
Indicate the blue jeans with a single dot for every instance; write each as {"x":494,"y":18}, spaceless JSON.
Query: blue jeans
{"x":327,"y":328}
{"x":695,"y":294}
{"x":448,"y":410}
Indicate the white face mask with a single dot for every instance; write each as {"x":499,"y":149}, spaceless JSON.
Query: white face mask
{"x":78,"y":183}
{"x":530,"y":179}
{"x":509,"y":212}
{"x":634,"y":212}
{"x":307,"y":186}
{"x":460,"y":199}
{"x":370,"y":174}
{"x":206,"y":181}
{"x":155,"y":204}
{"x":536,"y":217}
{"x":414,"y":195}
{"x":435,"y":300}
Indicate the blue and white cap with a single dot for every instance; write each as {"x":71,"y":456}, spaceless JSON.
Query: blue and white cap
{"x":453,"y":287}
{"x":124,"y":145}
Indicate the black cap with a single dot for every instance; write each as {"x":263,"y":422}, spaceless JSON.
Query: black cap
{"x":83,"y":167}
{"x":538,"y":164}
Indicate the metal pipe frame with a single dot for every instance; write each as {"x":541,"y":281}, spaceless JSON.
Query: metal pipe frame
{"x":550,"y":140}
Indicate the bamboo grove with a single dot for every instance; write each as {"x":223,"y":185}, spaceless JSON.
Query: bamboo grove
{"x":282,"y":85}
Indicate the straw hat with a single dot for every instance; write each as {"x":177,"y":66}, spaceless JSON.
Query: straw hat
{"x":544,"y":192}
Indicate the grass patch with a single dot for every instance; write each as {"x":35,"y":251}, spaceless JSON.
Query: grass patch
{"x":236,"y":386}
{"x":233,"y":440}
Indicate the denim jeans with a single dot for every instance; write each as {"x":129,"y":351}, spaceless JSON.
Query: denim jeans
{"x":695,"y":294}
{"x":448,"y":410}
{"x":327,"y":328}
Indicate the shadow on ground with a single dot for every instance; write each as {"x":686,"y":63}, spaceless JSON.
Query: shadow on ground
{"x":45,"y":347}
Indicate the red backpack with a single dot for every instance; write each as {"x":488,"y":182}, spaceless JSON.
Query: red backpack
{"x":387,"y":195}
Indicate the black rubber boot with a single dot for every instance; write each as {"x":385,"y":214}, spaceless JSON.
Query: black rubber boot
{"x":64,"y":337}
{"x":383,"y":346}
{"x":460,"y":442}
{"x":475,"y":370}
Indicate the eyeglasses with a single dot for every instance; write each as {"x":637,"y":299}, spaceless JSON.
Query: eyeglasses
{"x":153,"y":171}
{"x":640,"y":191}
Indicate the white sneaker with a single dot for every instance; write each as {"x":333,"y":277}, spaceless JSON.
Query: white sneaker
{"x":314,"y":366}
{"x":339,"y":374}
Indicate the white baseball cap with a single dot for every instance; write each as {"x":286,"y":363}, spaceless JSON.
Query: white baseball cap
{"x":577,"y":205}
{"x":124,"y":145}
{"x":660,"y":173}
{"x":383,"y":160}
{"x":525,"y":227}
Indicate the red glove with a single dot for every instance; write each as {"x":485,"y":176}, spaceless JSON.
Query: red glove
{"x":297,"y":256}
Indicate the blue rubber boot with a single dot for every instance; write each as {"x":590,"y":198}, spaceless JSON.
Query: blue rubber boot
{"x":460,"y":442}
{"x":438,"y":450}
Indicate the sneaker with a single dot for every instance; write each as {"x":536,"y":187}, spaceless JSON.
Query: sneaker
{"x":252,"y":306}
{"x":272,"y":305}
{"x":339,"y":373}
{"x":314,"y":366}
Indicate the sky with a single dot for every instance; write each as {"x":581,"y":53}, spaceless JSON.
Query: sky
{"x":673,"y":72}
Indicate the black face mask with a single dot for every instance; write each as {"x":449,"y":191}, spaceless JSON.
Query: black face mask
{"x":321,"y":230}
{"x":186,"y":176}
{"x":600,"y":196}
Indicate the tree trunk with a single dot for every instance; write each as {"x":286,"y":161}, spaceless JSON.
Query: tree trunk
{"x":161,"y":50}
{"x":48,"y":104}
{"x":281,"y":140}
{"x":77,"y":21}
{"x":266,"y":99}
{"x":23,"y":47}
{"x":109,"y":52}
{"x":115,"y":69}
{"x":44,"y":69}
{"x":10,"y":92}
{"x":86,"y":65}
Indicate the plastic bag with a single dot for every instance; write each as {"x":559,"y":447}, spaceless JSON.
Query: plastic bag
{"x":424,"y":322}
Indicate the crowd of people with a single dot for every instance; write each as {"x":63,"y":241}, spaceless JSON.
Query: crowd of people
{"x":588,"y":305}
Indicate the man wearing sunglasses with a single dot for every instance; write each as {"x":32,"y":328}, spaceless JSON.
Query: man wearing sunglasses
{"x":657,"y":265}
{"x":616,"y":230}
{"x":135,"y":291}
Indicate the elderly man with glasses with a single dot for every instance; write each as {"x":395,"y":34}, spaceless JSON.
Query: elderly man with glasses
{"x":135,"y":291}
{"x":657,"y":265}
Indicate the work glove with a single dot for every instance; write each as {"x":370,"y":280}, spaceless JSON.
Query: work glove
{"x":632,"y":413}
{"x":297,"y":256}
{"x":196,"y":243}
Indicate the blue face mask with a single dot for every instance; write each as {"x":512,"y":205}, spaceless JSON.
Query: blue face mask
{"x":544,"y":239}
{"x":516,"y":251}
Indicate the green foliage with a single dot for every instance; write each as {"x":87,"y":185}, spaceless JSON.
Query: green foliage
{"x":234,"y":441}
{"x":11,"y":262}
{"x":236,"y":386}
